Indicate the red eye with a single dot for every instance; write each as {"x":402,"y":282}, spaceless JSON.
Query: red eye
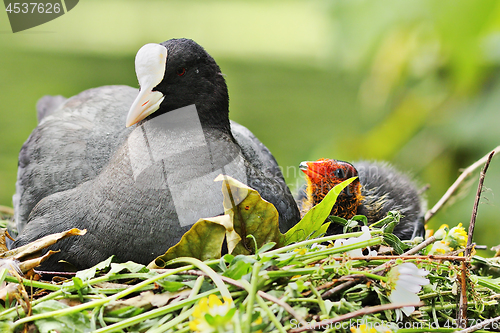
{"x":181,"y":71}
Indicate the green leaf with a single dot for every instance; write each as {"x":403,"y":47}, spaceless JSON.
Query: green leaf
{"x":6,"y":326}
{"x":125,"y":312}
{"x":328,"y":306}
{"x":91,"y":272}
{"x":315,"y":217}
{"x":339,"y":220}
{"x":205,"y":286}
{"x":203,"y":241}
{"x":488,"y":282}
{"x":238,"y":270}
{"x":266,"y":247}
{"x":240,"y":266}
{"x":74,"y":322}
{"x":361,"y":218}
{"x":251,"y":215}
{"x":389,"y":222}
{"x":3,"y":274}
{"x":77,"y":283}
{"x":229,"y":315}
{"x":321,"y":231}
{"x":394,"y":242}
{"x":80,"y":289}
{"x":171,"y":285}
{"x":210,"y":320}
{"x":357,"y":293}
{"x":350,"y":226}
{"x":129,"y":266}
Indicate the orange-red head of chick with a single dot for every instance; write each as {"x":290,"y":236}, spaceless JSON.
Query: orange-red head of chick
{"x":324,"y":174}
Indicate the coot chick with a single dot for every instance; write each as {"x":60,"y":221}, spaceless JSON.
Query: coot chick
{"x":378,"y":189}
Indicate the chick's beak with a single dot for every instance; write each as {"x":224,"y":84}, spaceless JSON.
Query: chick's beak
{"x":310,"y":169}
{"x":303,"y":166}
{"x":150,"y":64}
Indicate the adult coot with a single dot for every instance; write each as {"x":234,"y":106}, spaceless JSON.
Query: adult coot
{"x":159,"y":181}
{"x":76,"y":137}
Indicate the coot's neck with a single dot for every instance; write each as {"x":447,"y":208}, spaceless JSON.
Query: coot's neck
{"x":212,"y":104}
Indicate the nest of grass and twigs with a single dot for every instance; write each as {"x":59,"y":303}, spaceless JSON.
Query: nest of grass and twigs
{"x":365,"y":280}
{"x":336,"y":287}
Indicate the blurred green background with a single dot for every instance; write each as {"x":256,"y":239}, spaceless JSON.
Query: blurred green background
{"x":414,"y":82}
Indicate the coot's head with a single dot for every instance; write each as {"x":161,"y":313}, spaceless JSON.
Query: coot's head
{"x":177,"y":73}
{"x":323,"y":175}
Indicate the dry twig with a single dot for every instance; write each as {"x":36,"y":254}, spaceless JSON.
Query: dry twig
{"x":412,"y":251}
{"x":343,"y":286}
{"x":472,"y":224}
{"x":430,"y":213}
{"x":462,"y":310}
{"x":409,"y":257}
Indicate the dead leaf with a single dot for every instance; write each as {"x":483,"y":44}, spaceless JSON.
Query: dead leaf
{"x":251,"y":215}
{"x":40,"y":244}
{"x":147,"y":300}
{"x":29,"y":264}
{"x":11,"y":289}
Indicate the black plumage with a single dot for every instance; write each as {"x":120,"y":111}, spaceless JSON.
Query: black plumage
{"x":384,"y":189}
{"x":74,"y":140}
{"x":160,"y":179}
{"x":74,"y":144}
{"x":47,"y":105}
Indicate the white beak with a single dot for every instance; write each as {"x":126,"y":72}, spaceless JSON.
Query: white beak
{"x":150,"y":64}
